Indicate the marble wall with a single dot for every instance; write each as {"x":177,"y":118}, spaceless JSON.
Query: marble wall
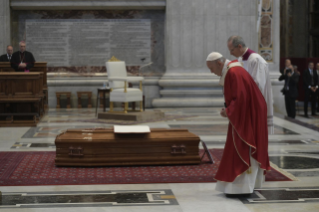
{"x":196,"y":28}
{"x":157,"y":18}
{"x":182,"y":36}
{"x":4,"y":25}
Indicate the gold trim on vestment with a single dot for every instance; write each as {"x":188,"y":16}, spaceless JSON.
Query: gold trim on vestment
{"x":237,"y":149}
{"x":243,"y":139}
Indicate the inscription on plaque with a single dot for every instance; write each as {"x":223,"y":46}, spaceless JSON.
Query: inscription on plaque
{"x":78,"y":42}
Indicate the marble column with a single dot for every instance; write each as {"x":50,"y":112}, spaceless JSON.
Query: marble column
{"x":5,"y":25}
{"x":279,"y":103}
{"x":193,"y":30}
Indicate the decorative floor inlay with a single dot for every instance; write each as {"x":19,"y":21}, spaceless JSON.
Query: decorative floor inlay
{"x":87,"y":199}
{"x":280,"y":142}
{"x":282,"y":195}
{"x":315,"y":153}
{"x":293,"y":162}
{"x":26,"y":145}
{"x":221,"y":129}
{"x":52,"y":132}
{"x":20,"y":145}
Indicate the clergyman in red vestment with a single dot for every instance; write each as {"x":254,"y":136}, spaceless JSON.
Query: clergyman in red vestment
{"x":245,"y":156}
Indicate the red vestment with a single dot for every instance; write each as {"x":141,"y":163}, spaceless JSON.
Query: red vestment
{"x":247,"y":113}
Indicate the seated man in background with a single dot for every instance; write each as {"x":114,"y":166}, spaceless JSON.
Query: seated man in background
{"x":7,"y":57}
{"x":22,"y":61}
{"x":290,"y":89}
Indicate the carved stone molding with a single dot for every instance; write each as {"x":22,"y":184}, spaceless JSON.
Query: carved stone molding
{"x":86,"y":5}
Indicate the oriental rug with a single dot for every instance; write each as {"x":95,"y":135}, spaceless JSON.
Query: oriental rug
{"x":38,"y":168}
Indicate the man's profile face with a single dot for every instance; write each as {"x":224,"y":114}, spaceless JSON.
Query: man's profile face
{"x":235,"y":51}
{"x":287,"y":63}
{"x":214,"y":67}
{"x":22,"y":47}
{"x":9,"y":50}
{"x":311,"y":66}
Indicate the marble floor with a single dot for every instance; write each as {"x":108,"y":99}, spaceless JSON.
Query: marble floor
{"x":294,"y":148}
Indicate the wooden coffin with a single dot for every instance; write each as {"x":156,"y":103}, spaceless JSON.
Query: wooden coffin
{"x":102,"y":147}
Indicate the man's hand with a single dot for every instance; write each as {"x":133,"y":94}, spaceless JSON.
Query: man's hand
{"x":289,"y":74}
{"x":223,"y":112}
{"x":22,"y":65}
{"x":313,"y":89}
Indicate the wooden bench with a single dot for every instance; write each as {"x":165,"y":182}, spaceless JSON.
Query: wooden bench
{"x":14,"y":119}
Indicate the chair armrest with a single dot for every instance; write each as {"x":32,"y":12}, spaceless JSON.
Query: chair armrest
{"x":126,"y":79}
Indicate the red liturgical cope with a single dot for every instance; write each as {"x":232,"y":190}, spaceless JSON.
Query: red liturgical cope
{"x":247,"y":113}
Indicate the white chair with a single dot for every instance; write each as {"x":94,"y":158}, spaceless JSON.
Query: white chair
{"x":118,"y":81}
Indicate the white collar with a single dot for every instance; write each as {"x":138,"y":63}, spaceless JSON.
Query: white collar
{"x":240,"y":59}
{"x":224,"y":71}
{"x":245,"y":52}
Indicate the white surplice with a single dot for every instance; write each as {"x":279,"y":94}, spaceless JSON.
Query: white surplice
{"x":244,"y":183}
{"x":257,"y":67}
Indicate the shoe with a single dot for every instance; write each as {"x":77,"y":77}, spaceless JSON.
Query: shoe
{"x":306,"y":116}
{"x":313,"y":114}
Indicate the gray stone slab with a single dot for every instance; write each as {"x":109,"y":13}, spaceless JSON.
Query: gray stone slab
{"x":133,"y":116}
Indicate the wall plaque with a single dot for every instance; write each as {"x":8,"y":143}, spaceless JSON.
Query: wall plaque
{"x":87,"y":42}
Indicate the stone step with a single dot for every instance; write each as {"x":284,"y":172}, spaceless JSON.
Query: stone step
{"x":188,"y":102}
{"x":198,"y":83}
{"x":192,"y":93}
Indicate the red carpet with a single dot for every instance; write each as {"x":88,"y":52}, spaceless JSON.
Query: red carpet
{"x":37,"y":168}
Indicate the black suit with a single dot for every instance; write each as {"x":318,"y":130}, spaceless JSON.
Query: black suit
{"x":318,"y":93}
{"x":290,"y":91}
{"x":26,"y":58}
{"x":4,"y":58}
{"x":312,"y":81}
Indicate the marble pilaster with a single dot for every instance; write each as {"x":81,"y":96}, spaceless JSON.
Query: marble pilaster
{"x":193,"y":30}
{"x":5,"y":25}
{"x":279,"y":103}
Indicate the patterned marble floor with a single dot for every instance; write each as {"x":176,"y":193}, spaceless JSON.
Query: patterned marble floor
{"x":294,"y":148}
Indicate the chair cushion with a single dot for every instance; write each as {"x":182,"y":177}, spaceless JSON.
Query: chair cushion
{"x":132,"y":95}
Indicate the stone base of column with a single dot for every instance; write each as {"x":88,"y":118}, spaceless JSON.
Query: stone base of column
{"x":189,"y":90}
{"x":188,"y":102}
